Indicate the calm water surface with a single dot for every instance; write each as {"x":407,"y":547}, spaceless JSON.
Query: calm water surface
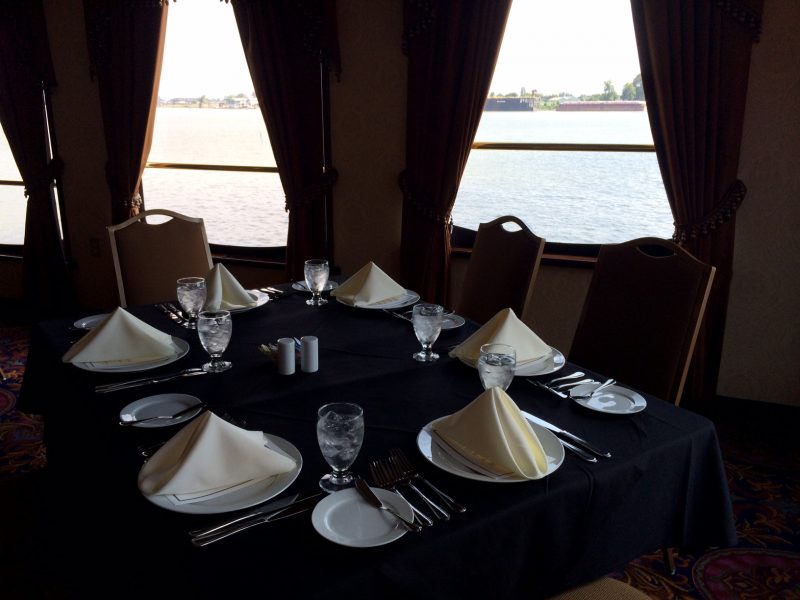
{"x":582,"y":197}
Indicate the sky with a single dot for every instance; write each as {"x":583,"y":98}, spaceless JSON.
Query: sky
{"x":550,"y":45}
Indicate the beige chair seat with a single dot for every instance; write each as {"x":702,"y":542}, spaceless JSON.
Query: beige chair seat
{"x":603,"y":589}
{"x":149,"y":258}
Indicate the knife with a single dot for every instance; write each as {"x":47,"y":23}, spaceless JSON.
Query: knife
{"x":549,"y":389}
{"x":580,"y":441}
{"x":124,"y":385}
{"x":180,"y":413}
{"x":368,"y":495}
{"x":171,"y":314}
{"x":269,"y":507}
{"x":298,"y":507}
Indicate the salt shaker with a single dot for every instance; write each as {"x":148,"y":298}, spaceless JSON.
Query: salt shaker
{"x":286,"y":356}
{"x":309,"y":354}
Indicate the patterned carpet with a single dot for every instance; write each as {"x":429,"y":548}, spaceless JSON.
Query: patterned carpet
{"x":762,"y":463}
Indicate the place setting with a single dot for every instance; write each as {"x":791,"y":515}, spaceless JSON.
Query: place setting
{"x":371,"y":288}
{"x":122,"y":343}
{"x":600,"y":396}
{"x":532,"y":355}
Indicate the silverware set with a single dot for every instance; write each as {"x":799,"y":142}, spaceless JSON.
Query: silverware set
{"x":396,"y":470}
{"x":273,"y":292}
{"x":174,"y":313}
{"x":124,"y":385}
{"x":559,"y":390}
{"x":267,"y":513}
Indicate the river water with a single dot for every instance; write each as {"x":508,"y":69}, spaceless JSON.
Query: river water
{"x":580,"y":197}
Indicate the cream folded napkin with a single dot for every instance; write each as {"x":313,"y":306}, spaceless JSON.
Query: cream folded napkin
{"x":367,"y":286}
{"x":209,"y":456}
{"x":121,"y":339}
{"x":503,"y":328}
{"x":492,"y":433}
{"x":224,"y":292}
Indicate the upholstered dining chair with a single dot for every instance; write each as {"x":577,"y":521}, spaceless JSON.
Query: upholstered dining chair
{"x":642,"y":314}
{"x":501,"y":271}
{"x":150,"y":257}
{"x":603,"y":589}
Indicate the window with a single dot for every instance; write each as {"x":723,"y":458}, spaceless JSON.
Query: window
{"x":13,"y":203}
{"x":208,"y":115}
{"x":553,"y":53}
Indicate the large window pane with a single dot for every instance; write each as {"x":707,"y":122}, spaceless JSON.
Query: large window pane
{"x":13,"y":203}
{"x":556,"y":52}
{"x":208,"y":114}
{"x":239,"y":209}
{"x":572,"y":197}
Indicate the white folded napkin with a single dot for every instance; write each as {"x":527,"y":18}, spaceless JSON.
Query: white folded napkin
{"x":492,"y":433}
{"x":224,"y":292}
{"x":121,"y":339}
{"x":209,"y":456}
{"x":367,"y":286}
{"x":503,"y":328}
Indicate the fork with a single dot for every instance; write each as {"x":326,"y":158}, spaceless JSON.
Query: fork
{"x":411,"y":472}
{"x":400,"y":476}
{"x":383,"y":479}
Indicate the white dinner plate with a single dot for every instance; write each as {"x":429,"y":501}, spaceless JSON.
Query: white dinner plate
{"x":614,"y":399}
{"x":182,"y":350}
{"x":244,"y":497}
{"x":437,"y":456}
{"x":449,"y":321}
{"x":260,"y":297}
{"x":161,"y":404}
{"x":406,"y":299}
{"x":91,"y":322}
{"x":346,"y":518}
{"x":301,"y":286}
{"x":550,"y":363}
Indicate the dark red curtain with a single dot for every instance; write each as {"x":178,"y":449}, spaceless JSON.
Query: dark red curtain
{"x":289,"y":47}
{"x":452,"y":48}
{"x":26,"y":76}
{"x":695,"y":60}
{"x":126,"y":44}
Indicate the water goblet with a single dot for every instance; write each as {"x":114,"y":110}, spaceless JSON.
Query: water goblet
{"x":316,"y":272}
{"x":340,"y":433}
{"x":191,"y":297}
{"x":496,"y":365}
{"x":214,"y":329}
{"x":427,"y":321}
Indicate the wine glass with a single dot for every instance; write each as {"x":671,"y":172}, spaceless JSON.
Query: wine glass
{"x":427,"y":321}
{"x":496,"y":365}
{"x":191,"y":297}
{"x":214,"y":329}
{"x":316,"y":272}
{"x":340,"y":433}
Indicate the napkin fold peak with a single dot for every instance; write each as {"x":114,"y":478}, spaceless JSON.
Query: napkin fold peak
{"x":368,"y":285}
{"x":210,"y":454}
{"x":224,"y":292}
{"x":492,"y":432}
{"x":503,"y":328}
{"x":121,"y":339}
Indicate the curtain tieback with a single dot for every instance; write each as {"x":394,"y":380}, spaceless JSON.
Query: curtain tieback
{"x":426,"y":210}
{"x":54,"y":168}
{"x":310,"y":194}
{"x":721,"y":213}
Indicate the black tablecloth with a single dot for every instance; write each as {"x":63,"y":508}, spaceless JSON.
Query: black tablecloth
{"x":664,"y":486}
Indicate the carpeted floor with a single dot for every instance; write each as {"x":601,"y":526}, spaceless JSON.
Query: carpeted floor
{"x":762,"y":460}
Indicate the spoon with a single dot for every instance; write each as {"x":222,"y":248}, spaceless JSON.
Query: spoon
{"x":574,"y":375}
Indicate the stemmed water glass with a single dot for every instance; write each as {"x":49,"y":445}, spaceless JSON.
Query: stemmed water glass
{"x":427,"y":321}
{"x":496,"y":365}
{"x":316,"y":272}
{"x":214,"y":329}
{"x":191,"y":297}
{"x":340,"y":433}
